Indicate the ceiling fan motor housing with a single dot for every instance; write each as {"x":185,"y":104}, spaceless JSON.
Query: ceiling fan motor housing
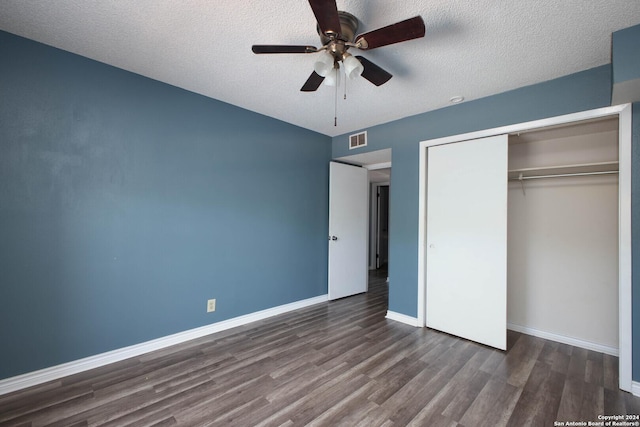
{"x":348,"y":28}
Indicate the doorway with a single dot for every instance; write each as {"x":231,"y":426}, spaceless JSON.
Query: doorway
{"x":379,"y":194}
{"x":378,"y":164}
{"x":382,"y":227}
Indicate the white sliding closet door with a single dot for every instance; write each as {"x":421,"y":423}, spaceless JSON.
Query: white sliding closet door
{"x":466,"y":261}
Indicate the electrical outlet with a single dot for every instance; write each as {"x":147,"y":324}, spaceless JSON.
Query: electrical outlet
{"x":211,"y":305}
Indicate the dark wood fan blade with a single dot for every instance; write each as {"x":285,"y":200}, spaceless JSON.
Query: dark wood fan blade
{"x":373,"y":73}
{"x":412,"y":28}
{"x":326,"y":12}
{"x":276,"y":48}
{"x":313,"y":83}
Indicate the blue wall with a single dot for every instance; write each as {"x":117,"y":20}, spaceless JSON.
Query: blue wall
{"x":582,"y":91}
{"x":624,"y":50}
{"x":126,"y":203}
{"x":577,"y":92}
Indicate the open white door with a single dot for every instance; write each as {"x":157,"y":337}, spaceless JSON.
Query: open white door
{"x":466,"y":292}
{"x":348,"y":225}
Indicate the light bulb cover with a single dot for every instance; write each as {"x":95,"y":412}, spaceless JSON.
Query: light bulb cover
{"x":352,"y":67}
{"x":324,"y":64}
{"x":331,"y":79}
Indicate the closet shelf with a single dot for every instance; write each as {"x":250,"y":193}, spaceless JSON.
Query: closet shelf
{"x":582,"y":168}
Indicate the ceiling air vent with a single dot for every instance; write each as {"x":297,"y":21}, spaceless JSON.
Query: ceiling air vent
{"x":358,"y":140}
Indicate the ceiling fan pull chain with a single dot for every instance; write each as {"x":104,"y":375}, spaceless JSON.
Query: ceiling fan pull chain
{"x":345,"y":88}
{"x":335,"y":107}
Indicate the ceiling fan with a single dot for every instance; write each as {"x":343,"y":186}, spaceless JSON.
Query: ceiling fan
{"x":337,"y":31}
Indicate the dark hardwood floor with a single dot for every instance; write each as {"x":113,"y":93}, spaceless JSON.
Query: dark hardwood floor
{"x":338,"y":363}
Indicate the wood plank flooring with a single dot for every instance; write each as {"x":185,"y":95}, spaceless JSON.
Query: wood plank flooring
{"x":338,"y":363}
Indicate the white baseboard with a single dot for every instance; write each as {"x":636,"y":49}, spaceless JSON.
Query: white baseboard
{"x":564,"y":339}
{"x":402,"y":318}
{"x":29,"y":379}
{"x":635,"y":388}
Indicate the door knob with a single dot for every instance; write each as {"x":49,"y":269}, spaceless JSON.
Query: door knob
{"x":333,"y":238}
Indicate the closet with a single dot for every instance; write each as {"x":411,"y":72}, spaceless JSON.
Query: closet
{"x":522,"y":233}
{"x":562,"y":245}
{"x":528,"y":227}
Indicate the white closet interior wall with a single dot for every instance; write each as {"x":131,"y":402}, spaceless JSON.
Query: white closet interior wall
{"x":563,"y":236}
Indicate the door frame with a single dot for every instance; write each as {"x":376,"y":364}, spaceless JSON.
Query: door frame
{"x":372,"y":161}
{"x":378,"y":225}
{"x":624,"y":215}
{"x":374,"y":224}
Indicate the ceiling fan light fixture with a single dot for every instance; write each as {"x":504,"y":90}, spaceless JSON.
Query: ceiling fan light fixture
{"x":331,"y":78}
{"x":352,"y":67}
{"x":324,"y":64}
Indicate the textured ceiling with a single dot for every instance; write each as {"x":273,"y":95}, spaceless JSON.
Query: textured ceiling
{"x":472,"y":48}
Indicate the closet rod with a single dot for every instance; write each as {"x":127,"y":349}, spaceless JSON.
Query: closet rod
{"x":562,"y":175}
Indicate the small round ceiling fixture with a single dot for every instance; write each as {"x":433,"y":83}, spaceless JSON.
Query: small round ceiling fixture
{"x":456,"y":99}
